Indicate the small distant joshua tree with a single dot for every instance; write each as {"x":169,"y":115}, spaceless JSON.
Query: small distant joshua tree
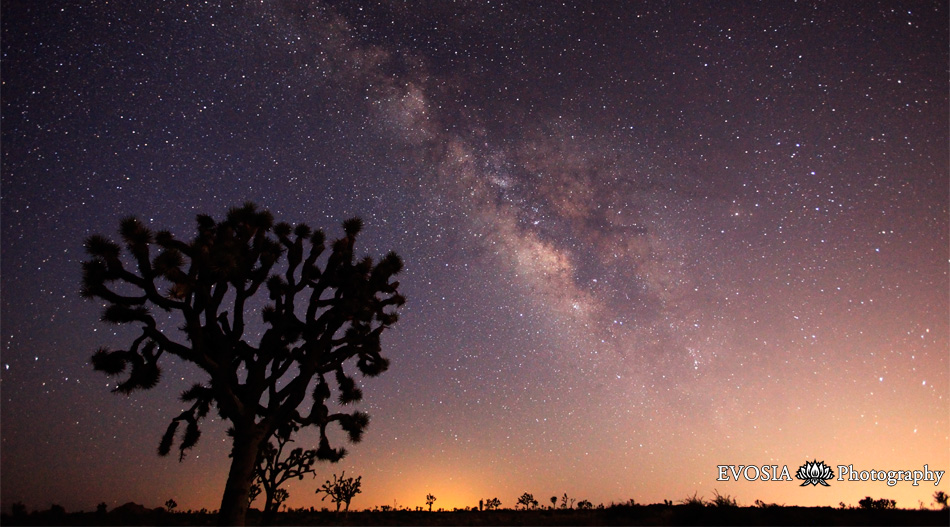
{"x":941,"y":498}
{"x":274,"y":468}
{"x":585,"y":505}
{"x":341,"y":491}
{"x":492,"y":504}
{"x":170,"y":505}
{"x":526,"y":500}
{"x":553,"y":501}
{"x":430,"y":499}
{"x":253,"y":492}
{"x":274,"y":500}
{"x":564,"y":502}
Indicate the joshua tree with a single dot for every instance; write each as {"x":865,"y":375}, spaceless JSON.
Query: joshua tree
{"x":273,"y":469}
{"x":553,"y":501}
{"x":585,"y":505}
{"x":564,"y":502}
{"x":430,"y":499}
{"x":492,"y":504}
{"x":341,"y":490}
{"x":253,"y":493}
{"x":526,"y":500}
{"x":280,"y":496}
{"x":316,"y":320}
{"x":171,"y":505}
{"x":941,"y":498}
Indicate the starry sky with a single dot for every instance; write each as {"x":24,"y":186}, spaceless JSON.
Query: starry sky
{"x":641,"y":239}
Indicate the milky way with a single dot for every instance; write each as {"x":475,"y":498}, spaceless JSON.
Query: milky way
{"x":641,"y":240}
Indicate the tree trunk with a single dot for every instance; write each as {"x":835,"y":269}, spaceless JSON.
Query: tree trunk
{"x":236,"y":491}
{"x":270,"y":511}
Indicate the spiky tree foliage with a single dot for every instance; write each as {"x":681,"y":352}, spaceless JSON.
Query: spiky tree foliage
{"x":317,"y":318}
{"x":341,"y":490}
{"x":430,"y":499}
{"x":274,"y":468}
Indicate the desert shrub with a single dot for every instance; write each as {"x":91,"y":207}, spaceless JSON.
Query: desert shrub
{"x":723,"y":501}
{"x":693,"y":501}
{"x":883,"y":503}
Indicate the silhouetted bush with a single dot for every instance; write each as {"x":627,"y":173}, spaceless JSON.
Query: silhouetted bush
{"x":883,"y":503}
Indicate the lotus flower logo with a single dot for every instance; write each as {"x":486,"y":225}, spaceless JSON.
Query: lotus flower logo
{"x":814,"y":473}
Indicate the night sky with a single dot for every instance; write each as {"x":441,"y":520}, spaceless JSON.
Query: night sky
{"x":641,"y":239}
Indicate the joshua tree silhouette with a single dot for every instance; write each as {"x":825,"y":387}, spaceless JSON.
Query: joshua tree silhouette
{"x":941,"y":498}
{"x":526,"y":500}
{"x":341,"y":490}
{"x":210,"y":284}
{"x":273,"y":469}
{"x":564,"y":502}
{"x":430,"y":499}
